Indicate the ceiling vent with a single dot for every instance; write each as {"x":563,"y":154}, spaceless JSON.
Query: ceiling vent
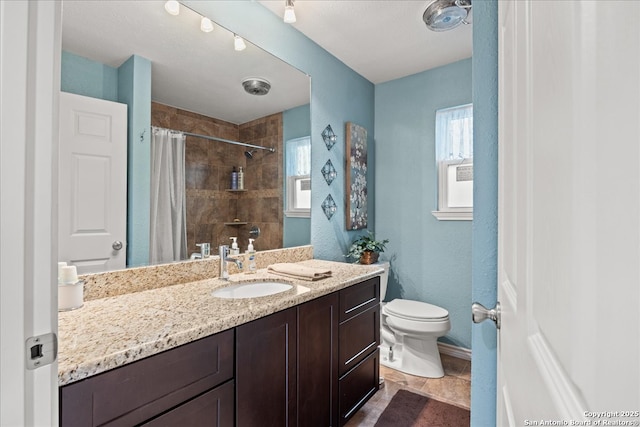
{"x":256,"y":86}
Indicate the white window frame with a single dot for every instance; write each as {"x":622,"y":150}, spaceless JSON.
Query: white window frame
{"x":446,"y":212}
{"x":292,"y":209}
{"x":300,"y":172}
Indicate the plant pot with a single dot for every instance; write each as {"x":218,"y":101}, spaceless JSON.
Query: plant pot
{"x":369,"y":257}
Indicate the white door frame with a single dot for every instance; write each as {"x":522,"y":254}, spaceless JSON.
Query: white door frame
{"x":29,"y":84}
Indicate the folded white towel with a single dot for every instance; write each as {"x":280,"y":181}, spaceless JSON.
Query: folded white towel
{"x":296,"y":271}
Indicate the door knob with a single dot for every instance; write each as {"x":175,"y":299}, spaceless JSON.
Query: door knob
{"x":480,"y":313}
{"x":117,"y":245}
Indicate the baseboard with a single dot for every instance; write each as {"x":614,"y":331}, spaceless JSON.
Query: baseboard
{"x":454,"y":351}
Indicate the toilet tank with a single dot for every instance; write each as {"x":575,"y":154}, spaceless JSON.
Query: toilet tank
{"x":384,"y":279}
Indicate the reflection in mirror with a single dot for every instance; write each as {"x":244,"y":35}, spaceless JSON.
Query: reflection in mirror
{"x":174,"y":76}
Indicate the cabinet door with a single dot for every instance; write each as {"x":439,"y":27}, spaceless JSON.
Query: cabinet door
{"x":266,"y":371}
{"x":214,"y":408}
{"x":318,"y":362}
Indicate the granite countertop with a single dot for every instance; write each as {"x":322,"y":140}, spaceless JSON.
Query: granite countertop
{"x":113,"y":331}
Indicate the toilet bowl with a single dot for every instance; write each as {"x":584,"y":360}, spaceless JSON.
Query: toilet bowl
{"x":409,"y":334}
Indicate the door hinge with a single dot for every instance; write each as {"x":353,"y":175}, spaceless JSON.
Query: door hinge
{"x":41,"y":350}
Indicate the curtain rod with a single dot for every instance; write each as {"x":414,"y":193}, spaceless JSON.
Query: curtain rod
{"x":213,"y":138}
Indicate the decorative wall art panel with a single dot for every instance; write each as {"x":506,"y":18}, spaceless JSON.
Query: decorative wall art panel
{"x":356,"y":177}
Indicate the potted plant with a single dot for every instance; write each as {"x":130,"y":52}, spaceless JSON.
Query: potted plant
{"x":365,"y":249}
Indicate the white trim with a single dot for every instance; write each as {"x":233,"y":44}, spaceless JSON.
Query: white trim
{"x":453,"y":216}
{"x":570,"y":405}
{"x":454,"y":351}
{"x":303,"y":213}
{"x":455,"y":107}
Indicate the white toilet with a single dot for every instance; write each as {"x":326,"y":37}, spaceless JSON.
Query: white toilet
{"x":409,"y":334}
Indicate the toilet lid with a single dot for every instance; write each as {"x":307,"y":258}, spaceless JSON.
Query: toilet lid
{"x":415,"y":310}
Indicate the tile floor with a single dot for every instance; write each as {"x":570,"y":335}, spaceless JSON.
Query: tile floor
{"x":453,"y":388}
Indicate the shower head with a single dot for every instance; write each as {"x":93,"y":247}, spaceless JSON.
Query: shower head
{"x":249,"y":154}
{"x":443,"y":15}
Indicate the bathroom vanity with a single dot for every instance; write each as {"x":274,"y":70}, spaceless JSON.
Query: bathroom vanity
{"x":304,"y":357}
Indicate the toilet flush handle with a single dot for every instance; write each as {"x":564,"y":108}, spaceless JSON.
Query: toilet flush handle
{"x":480,"y":313}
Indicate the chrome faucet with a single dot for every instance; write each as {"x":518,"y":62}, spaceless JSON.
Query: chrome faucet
{"x":224,"y":258}
{"x":205,"y":251}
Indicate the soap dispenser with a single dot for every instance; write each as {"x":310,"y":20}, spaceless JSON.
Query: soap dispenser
{"x":251,"y":253}
{"x":234,"y":246}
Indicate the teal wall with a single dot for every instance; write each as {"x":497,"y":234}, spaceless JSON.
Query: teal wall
{"x":485,"y":200}
{"x":430,"y":259}
{"x":338,"y":95}
{"x":134,"y":89}
{"x":296,"y":123}
{"x":129,"y":84}
{"x":85,"y":77}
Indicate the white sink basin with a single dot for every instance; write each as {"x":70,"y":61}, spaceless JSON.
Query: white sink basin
{"x":252,"y":290}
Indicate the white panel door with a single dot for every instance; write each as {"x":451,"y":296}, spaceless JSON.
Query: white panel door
{"x":569,"y":212}
{"x":93,"y":183}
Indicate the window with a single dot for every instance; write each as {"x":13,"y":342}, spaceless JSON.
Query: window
{"x":454,"y":157}
{"x":298,"y":181}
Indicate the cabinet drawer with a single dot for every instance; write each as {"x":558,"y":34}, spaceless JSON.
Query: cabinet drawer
{"x":359,"y":336}
{"x":358,"y":385}
{"x":358,"y":298}
{"x":214,"y":408}
{"x":141,"y":390}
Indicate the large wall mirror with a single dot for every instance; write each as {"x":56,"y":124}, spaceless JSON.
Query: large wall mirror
{"x":110,"y":51}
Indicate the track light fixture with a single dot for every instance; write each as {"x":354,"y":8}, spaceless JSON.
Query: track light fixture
{"x":172,"y":7}
{"x":289,"y":13}
{"x":206,"y":25}
{"x":238,"y":43}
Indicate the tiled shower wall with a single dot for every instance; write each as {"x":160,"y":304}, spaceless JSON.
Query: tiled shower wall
{"x":208,"y":166}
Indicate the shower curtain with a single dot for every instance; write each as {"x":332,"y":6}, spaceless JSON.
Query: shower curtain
{"x":168,"y":233}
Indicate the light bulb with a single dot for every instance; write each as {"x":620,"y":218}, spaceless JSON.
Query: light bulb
{"x":238,"y":43}
{"x":206,"y":25}
{"x":289,"y":14}
{"x":173,"y":7}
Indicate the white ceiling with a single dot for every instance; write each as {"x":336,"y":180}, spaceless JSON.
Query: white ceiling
{"x":192,"y":70}
{"x":380,"y":39}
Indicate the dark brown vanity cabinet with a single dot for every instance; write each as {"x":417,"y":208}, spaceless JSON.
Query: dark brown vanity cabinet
{"x":287,"y":367}
{"x":310,"y":365}
{"x":192,"y":383}
{"x":359,"y":337}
